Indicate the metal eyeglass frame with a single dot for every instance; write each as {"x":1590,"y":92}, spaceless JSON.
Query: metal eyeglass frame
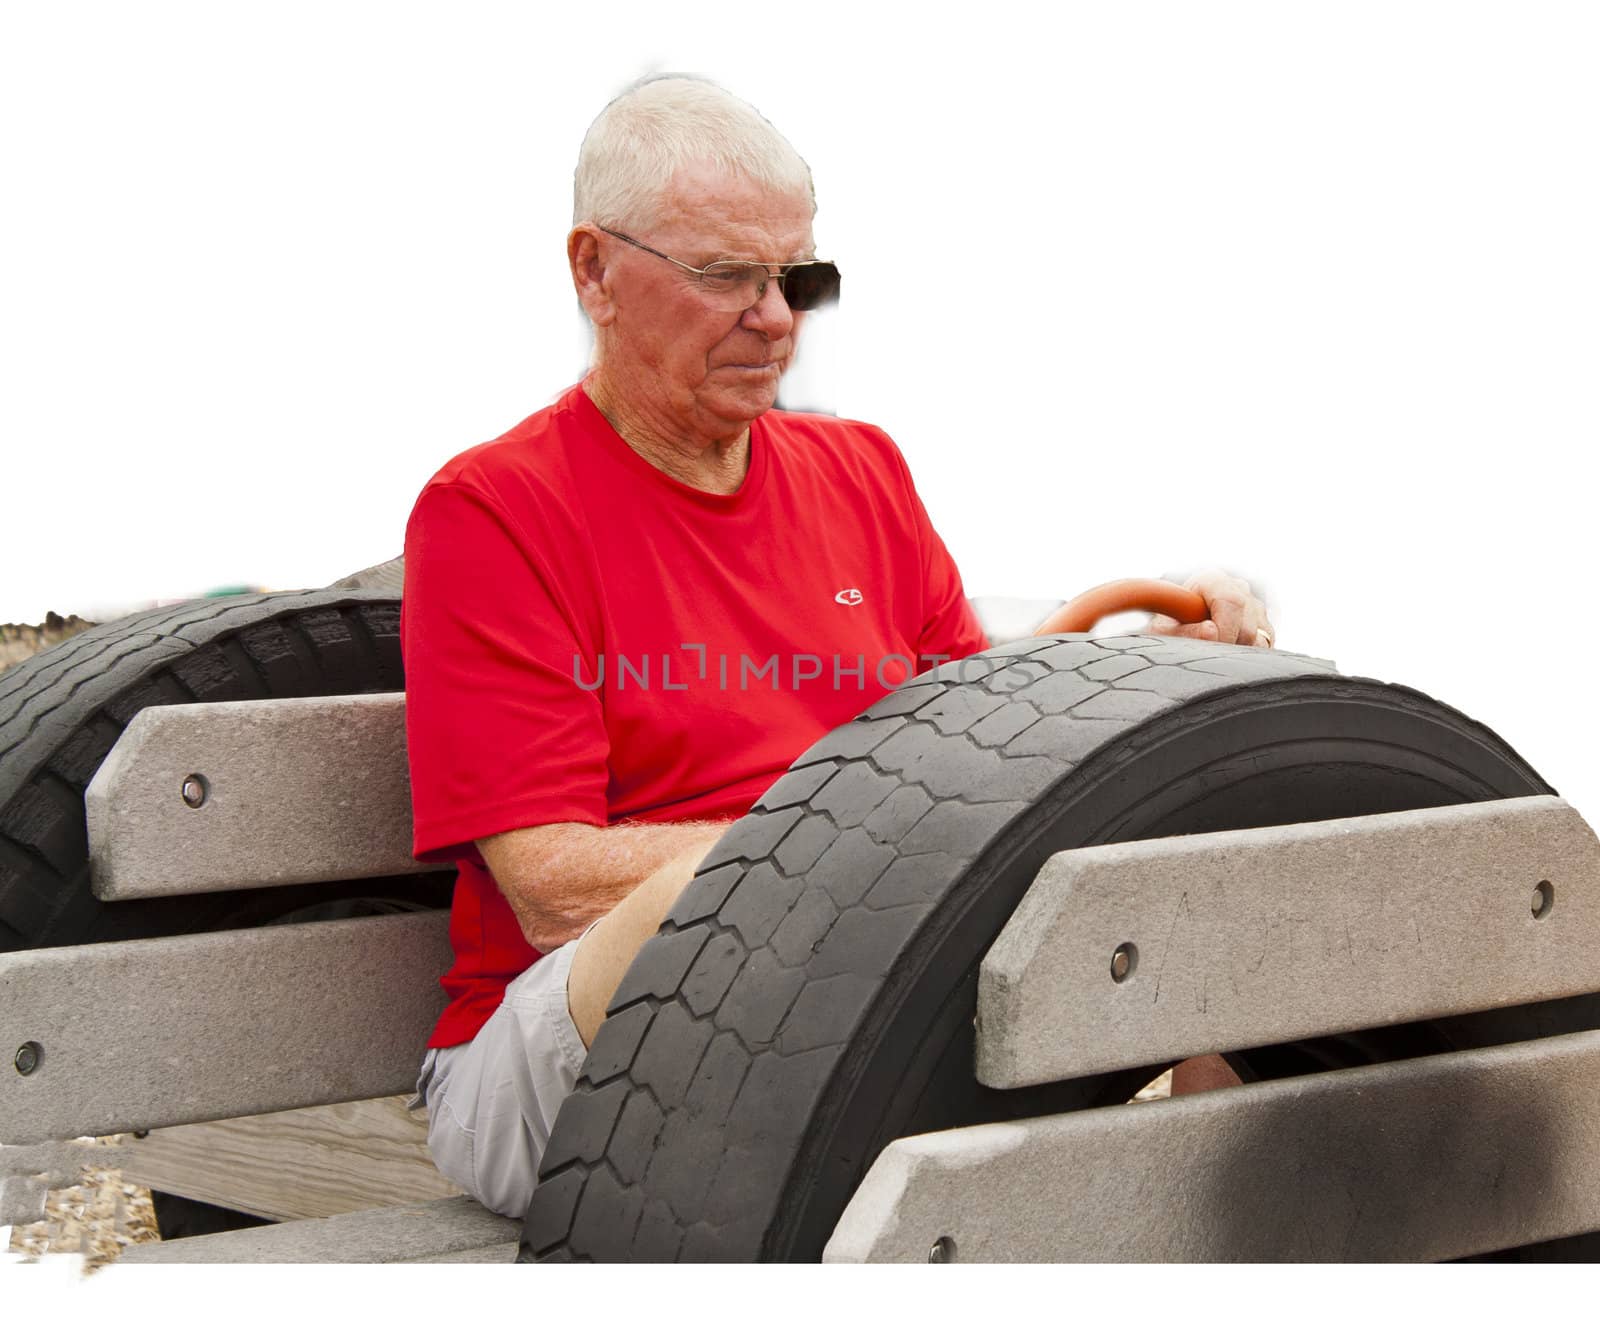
{"x":783,"y":269}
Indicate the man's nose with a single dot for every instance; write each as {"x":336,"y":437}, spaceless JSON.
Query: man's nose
{"x":770,"y":314}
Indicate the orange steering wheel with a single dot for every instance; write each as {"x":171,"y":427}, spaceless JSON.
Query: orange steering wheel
{"x":1154,"y":595}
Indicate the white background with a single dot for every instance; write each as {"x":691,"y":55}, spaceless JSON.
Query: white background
{"x":1309,"y":292}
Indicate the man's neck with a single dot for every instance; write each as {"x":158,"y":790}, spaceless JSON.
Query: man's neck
{"x":712,"y":464}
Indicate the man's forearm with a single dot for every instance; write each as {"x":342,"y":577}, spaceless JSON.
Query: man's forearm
{"x":560,"y":877}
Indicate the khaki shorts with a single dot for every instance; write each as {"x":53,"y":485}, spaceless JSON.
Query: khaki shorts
{"x":491,"y":1102}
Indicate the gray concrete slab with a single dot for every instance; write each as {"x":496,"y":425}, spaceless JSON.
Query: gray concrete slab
{"x":439,"y":1231}
{"x":145,"y":1033}
{"x":502,"y":1253}
{"x":289,"y":791}
{"x":1267,"y":935}
{"x":1429,"y":1159}
{"x":61,"y":1163}
{"x":22,"y":1199}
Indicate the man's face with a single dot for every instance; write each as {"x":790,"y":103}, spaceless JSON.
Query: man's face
{"x":697,"y":372}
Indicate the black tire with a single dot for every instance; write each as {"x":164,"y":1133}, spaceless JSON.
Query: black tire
{"x":61,"y":712}
{"x":755,"y":1059}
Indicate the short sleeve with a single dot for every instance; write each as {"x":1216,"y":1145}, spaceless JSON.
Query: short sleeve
{"x":950,"y":628}
{"x":500,"y":731}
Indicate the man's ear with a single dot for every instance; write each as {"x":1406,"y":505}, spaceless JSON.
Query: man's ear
{"x":590,"y":277}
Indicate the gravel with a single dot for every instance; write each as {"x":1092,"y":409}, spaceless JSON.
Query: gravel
{"x":95,"y":1218}
{"x":20,"y":642}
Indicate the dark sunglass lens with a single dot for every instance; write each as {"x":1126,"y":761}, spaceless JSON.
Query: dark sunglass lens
{"x":811,"y":285}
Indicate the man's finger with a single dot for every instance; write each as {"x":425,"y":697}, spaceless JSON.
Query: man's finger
{"x":1227,"y":611}
{"x":1165,"y":625}
{"x":1255,"y":616}
{"x":1225,"y":601}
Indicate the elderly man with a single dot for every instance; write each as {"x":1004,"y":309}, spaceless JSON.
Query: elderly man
{"x":659,"y":518}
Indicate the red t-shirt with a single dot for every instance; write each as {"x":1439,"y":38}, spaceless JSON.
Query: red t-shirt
{"x":587,"y":639}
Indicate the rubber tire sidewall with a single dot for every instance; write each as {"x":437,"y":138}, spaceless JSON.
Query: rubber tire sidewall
{"x":618,"y":1181}
{"x":61,"y":712}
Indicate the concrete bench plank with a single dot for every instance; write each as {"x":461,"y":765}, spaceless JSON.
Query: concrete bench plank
{"x":502,"y":1253}
{"x":295,"y":791}
{"x":1256,"y":936}
{"x":438,"y":1231}
{"x":145,"y":1033}
{"x":1426,"y":1159}
{"x":22,"y":1199}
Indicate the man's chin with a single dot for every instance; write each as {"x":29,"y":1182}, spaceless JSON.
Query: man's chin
{"x":743,"y":402}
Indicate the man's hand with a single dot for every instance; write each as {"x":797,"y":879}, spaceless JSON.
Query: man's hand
{"x":1237,"y":616}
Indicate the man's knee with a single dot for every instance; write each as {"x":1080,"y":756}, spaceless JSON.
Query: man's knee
{"x":492,"y":1102}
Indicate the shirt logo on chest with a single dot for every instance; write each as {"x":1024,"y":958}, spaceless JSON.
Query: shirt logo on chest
{"x":848,"y":597}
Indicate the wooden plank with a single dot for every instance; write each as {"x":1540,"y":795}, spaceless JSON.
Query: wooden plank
{"x":1257,"y":936}
{"x":434,"y":1231}
{"x":202,"y":797}
{"x":144,"y":1033}
{"x":1427,"y":1159}
{"x":311,"y":1162}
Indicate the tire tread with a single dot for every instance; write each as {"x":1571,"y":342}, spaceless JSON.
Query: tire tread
{"x":62,"y":710}
{"x":930,"y":781}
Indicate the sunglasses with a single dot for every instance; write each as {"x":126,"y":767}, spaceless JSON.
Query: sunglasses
{"x":736,"y":284}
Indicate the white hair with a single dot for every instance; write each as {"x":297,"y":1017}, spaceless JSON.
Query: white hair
{"x":666,"y":122}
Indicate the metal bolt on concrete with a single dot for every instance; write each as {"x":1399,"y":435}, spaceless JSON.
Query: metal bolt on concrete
{"x":1544,"y":899}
